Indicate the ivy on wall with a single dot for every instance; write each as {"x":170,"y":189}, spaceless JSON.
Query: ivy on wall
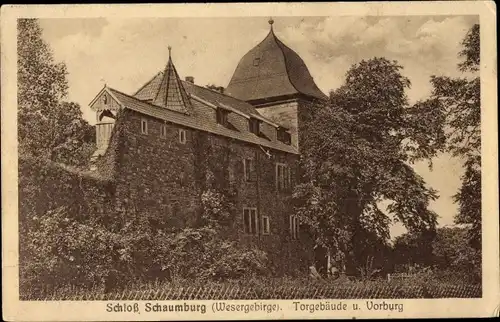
{"x":71,"y":233}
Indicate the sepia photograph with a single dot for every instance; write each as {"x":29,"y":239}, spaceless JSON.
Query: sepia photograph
{"x":270,"y":157}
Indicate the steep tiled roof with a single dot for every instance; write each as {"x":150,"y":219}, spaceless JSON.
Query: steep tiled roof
{"x":271,"y":69}
{"x":171,"y":94}
{"x":214,"y":97}
{"x":198,"y":119}
{"x":149,"y":90}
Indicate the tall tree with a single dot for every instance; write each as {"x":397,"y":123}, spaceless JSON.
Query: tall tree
{"x":357,"y":151}
{"x":459,"y":99}
{"x":447,"y":250}
{"x":47,"y":126}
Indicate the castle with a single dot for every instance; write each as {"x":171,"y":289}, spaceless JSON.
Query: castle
{"x":153,"y":146}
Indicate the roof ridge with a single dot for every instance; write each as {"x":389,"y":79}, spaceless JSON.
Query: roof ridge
{"x":195,"y":122}
{"x":257,"y":83}
{"x":148,"y":82}
{"x":171,"y":83}
{"x":128,"y":95}
{"x":192,"y":84}
{"x":282,"y":45}
{"x":260,"y":42}
{"x":232,"y":97}
{"x":145,"y":102}
{"x":217,"y":92}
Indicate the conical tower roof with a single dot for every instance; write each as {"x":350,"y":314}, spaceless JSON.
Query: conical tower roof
{"x":171,"y":94}
{"x":272,"y":70}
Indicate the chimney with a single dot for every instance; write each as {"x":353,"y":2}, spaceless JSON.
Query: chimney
{"x":190,"y":79}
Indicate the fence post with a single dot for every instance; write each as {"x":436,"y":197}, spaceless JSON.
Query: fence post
{"x":388,"y":277}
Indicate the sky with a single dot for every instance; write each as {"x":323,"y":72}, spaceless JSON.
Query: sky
{"x":126,"y":53}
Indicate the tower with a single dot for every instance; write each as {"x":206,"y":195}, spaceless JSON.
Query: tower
{"x":273,"y":78}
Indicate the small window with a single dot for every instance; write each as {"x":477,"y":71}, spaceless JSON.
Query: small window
{"x":175,"y":209}
{"x":256,"y":61}
{"x":250,"y":223}
{"x":144,"y":126}
{"x":266,"y":228}
{"x":294,"y":227}
{"x":182,"y":136}
{"x":253,"y":126}
{"x":221,"y":116}
{"x":163,"y":132}
{"x":283,"y":177}
{"x":105,"y":99}
{"x":249,"y":169}
{"x":284,"y":136}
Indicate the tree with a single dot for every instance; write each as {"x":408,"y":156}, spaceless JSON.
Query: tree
{"x":414,"y":249}
{"x":47,"y":126}
{"x":447,"y":250}
{"x":459,"y":99}
{"x":451,"y":251}
{"x":356,"y":152}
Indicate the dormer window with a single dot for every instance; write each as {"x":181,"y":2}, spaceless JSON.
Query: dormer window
{"x":254,"y":126}
{"x":283,"y":135}
{"x":221,"y":116}
{"x":256,"y":61}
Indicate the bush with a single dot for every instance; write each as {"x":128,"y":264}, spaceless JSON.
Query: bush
{"x":201,"y":252}
{"x":64,"y":244}
{"x":62,"y":249}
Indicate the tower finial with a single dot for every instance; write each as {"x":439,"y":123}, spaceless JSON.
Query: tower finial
{"x":169,"y":51}
{"x":271,"y":21}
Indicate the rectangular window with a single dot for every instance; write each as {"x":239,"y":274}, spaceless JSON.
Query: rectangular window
{"x":266,"y":228}
{"x":283,"y":177}
{"x":254,"y":126}
{"x":163,"y":132}
{"x":144,"y":126}
{"x":250,"y":222}
{"x":221,"y":115}
{"x":182,"y":136}
{"x":288,"y":178}
{"x":284,"y":136}
{"x":249,"y":169}
{"x":294,"y":227}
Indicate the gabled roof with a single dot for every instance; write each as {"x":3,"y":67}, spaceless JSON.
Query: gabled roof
{"x":271,"y":70}
{"x":198,"y":118}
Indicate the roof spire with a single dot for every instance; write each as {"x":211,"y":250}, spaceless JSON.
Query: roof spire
{"x":271,"y":21}
{"x":171,"y":93}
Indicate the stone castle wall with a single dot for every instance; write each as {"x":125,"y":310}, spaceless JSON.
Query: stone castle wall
{"x":159,"y":175}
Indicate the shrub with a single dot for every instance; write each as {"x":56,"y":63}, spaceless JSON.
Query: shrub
{"x":65,"y":242}
{"x":62,"y":248}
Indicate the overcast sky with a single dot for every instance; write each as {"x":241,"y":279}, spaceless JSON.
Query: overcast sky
{"x":125,"y":53}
